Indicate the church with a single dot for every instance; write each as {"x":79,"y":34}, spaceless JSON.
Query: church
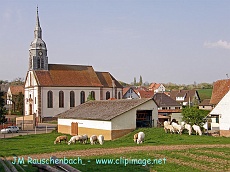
{"x":51,"y":89}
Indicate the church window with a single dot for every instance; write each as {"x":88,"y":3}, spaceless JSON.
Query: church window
{"x":61,"y":99}
{"x":119,"y":95}
{"x":107,"y":95}
{"x":39,"y":63}
{"x":82,"y":97}
{"x":72,"y":99}
{"x":42,"y":63}
{"x":93,"y":95}
{"x":50,"y":99}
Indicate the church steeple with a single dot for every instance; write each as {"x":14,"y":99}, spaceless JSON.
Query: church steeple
{"x":38,"y":29}
{"x":38,"y":52}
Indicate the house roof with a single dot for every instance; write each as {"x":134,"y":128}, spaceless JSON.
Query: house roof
{"x":184,"y":93}
{"x":102,"y":109}
{"x":16,"y":89}
{"x":154,"y":86}
{"x":220,"y":88}
{"x":74,"y":75}
{"x":163,"y":100}
{"x":145,"y":94}
{"x":205,"y":102}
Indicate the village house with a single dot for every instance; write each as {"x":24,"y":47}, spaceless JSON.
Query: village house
{"x":111,"y":118}
{"x":218,"y":118}
{"x":206,"y":105}
{"x":157,"y":87}
{"x":168,"y":109}
{"x":186,"y":97}
{"x":12,"y":94}
{"x":51,"y":89}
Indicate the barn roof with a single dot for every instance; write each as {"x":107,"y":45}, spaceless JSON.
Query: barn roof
{"x":102,"y":109}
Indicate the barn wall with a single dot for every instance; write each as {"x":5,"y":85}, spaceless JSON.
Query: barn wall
{"x":119,"y":133}
{"x":65,"y":129}
{"x":225,"y":133}
{"x":97,"y":132}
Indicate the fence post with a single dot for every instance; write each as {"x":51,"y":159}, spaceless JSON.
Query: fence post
{"x":46,"y":128}
{"x":35,"y":130}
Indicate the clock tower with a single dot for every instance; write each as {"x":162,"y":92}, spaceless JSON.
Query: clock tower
{"x":38,"y":52}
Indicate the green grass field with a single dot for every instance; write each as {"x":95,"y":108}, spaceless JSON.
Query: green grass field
{"x":199,"y":159}
{"x":205,"y":94}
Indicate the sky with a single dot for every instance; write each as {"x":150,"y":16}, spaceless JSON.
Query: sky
{"x":163,"y":41}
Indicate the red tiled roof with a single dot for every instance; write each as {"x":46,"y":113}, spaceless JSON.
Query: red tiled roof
{"x":146,"y":94}
{"x":16,"y":89}
{"x":220,"y":88}
{"x":183,"y":93}
{"x":74,"y":75}
{"x":154,"y":86}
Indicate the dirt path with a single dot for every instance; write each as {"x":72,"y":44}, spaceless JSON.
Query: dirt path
{"x":106,"y":151}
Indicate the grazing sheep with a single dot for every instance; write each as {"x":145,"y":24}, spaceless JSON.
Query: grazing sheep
{"x":167,"y":127}
{"x":60,"y":138}
{"x":177,"y":127}
{"x":187,"y":127}
{"x":84,"y":138}
{"x":101,"y":139}
{"x":196,"y":128}
{"x":74,"y":139}
{"x":93,"y":139}
{"x":139,"y":137}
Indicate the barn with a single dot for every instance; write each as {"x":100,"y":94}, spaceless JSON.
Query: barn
{"x":111,"y":118}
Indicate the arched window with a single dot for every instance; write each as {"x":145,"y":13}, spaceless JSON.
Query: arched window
{"x":107,"y":95}
{"x":72,"y":99}
{"x":119,"y":95}
{"x":93,"y":95}
{"x":61,"y":99}
{"x":42,"y":63}
{"x":50,"y":99}
{"x":82,"y":100}
{"x":39,"y":63}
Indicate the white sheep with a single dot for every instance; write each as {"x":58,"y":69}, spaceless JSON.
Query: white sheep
{"x":167,"y":127}
{"x":93,"y":139}
{"x":74,"y":139}
{"x":187,"y":127}
{"x":197,"y":129}
{"x":101,"y":139}
{"x":139,"y":137}
{"x":177,"y":127}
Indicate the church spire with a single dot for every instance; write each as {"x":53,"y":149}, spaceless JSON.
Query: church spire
{"x":38,"y":29}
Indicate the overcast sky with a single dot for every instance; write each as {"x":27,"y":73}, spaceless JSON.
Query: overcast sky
{"x":163,"y":41}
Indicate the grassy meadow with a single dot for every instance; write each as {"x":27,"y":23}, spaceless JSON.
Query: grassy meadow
{"x":193,"y":159}
{"x":205,"y":94}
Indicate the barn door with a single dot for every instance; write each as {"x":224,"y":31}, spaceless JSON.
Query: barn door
{"x":74,"y":128}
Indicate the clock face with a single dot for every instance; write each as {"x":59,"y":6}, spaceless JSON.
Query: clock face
{"x":40,"y":53}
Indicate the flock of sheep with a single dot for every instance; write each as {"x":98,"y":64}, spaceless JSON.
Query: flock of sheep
{"x":80,"y":138}
{"x":176,"y":128}
{"x":138,"y":138}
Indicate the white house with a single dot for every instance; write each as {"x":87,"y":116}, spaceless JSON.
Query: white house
{"x":220,"y":115}
{"x":51,"y":89}
{"x":111,"y":118}
{"x":157,"y":87}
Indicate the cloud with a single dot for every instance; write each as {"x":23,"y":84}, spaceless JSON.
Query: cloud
{"x":218,"y":44}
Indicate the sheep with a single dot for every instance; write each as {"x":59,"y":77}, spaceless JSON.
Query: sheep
{"x":187,"y":127}
{"x":177,"y":127}
{"x":74,"y":139}
{"x":139,"y":137}
{"x":93,"y":139}
{"x":167,"y":127}
{"x":84,"y":138}
{"x":197,"y":129}
{"x":60,"y":138}
{"x":101,"y":139}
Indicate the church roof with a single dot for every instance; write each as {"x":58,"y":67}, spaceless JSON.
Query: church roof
{"x":102,"y":109}
{"x":73,"y":75}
